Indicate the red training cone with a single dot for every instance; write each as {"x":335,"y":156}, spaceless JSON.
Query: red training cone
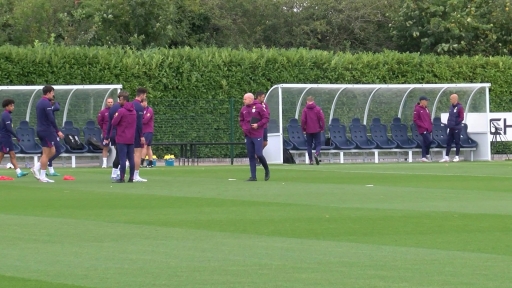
{"x":67,"y":177}
{"x":6,"y":178}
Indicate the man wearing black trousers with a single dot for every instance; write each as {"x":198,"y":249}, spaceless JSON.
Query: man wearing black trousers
{"x":110,"y":137}
{"x":423,"y":122}
{"x":125,"y":121}
{"x":454,"y":123}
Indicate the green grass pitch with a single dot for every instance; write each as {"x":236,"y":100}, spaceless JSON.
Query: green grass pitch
{"x":351,"y":225}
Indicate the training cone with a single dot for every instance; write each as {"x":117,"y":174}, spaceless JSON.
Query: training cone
{"x":6,"y":178}
{"x":69,"y":178}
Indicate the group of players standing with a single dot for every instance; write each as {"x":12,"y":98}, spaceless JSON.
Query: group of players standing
{"x":127,"y":126}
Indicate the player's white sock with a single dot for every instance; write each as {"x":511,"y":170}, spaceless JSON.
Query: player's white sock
{"x":114,"y":172}
{"x":136,"y":174}
{"x":50,"y":169}
{"x":37,"y":167}
{"x":18,"y":171}
{"x":42,"y":175}
{"x":104,"y":161}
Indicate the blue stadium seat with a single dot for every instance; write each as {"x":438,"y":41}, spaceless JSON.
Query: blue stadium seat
{"x":359,"y":136}
{"x":465,"y":140}
{"x":417,"y":137}
{"x":17,"y":149}
{"x":323,"y":139}
{"x":287,"y":144}
{"x":439,"y":132}
{"x":91,"y":130}
{"x":27,"y":136}
{"x":70,"y":129}
{"x":379,"y":134}
{"x":338,"y":134}
{"x":296,"y":136}
{"x":399,"y":134}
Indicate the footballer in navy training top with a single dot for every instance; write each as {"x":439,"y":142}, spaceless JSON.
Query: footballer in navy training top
{"x":46,"y":128}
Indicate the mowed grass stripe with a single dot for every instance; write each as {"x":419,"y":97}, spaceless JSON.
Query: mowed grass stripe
{"x":120,"y":255}
{"x":20,"y":282}
{"x":411,"y":228}
{"x":403,"y":192}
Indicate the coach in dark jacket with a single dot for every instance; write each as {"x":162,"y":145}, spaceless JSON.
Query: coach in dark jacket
{"x":454,"y":123}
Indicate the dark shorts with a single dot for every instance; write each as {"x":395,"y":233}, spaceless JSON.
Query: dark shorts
{"x":6,"y":146}
{"x":148,"y":136}
{"x":137,"y":144}
{"x":47,"y":140}
{"x":265,"y":134}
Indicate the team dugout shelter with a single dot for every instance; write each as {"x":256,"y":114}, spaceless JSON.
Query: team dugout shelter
{"x":359,"y":106}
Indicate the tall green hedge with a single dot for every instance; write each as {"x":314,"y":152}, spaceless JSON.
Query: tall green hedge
{"x":197,"y":83}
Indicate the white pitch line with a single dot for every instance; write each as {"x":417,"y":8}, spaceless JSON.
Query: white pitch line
{"x":386,"y":172}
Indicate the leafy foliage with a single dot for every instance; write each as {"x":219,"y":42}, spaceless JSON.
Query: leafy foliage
{"x":454,"y":27}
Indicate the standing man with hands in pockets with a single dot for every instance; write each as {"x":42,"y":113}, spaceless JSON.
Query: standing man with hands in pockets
{"x":423,"y":123}
{"x":454,"y":123}
{"x":313,"y":123}
{"x":253,"y":117}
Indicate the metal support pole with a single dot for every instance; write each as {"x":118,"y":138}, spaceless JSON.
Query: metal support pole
{"x":232,"y":129}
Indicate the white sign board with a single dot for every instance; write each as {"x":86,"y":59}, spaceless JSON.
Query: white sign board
{"x":499,"y":123}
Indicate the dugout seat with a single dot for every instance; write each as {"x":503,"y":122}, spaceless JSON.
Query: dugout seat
{"x":379,"y":133}
{"x":338,"y":134}
{"x":287,"y":144}
{"x":419,"y":140}
{"x":69,"y":128}
{"x":465,"y":140}
{"x":296,"y":136}
{"x":399,"y":134}
{"x":27,"y":136}
{"x":323,"y":140}
{"x":439,"y":132}
{"x":359,"y":136}
{"x":17,"y":148}
{"x":91,"y":130}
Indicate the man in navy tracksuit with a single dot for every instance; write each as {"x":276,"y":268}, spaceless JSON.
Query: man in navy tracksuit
{"x":454,"y":123}
{"x":47,"y":132}
{"x":6,"y":135}
{"x":58,"y":147}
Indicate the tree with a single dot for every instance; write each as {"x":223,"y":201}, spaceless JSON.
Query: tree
{"x":454,"y":27}
{"x":357,"y":25}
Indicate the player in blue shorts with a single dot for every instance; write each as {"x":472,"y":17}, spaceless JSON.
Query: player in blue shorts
{"x":58,"y":147}
{"x":47,"y":133}
{"x":6,"y":135}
